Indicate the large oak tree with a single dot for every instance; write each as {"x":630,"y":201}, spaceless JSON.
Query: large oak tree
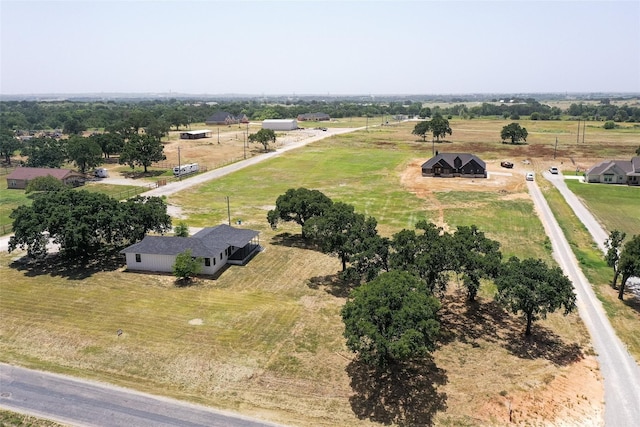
{"x":532,"y":288}
{"x":393,"y":318}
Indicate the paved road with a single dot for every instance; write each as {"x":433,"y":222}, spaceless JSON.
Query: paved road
{"x":587,"y":218}
{"x":174,"y":187}
{"x":619,"y":370}
{"x":75,"y":402}
{"x":592,"y":225}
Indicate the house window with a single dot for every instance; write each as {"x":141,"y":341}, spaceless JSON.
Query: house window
{"x":207,"y":262}
{"x":220,"y":255}
{"x":138,"y":258}
{"x":214,"y":260}
{"x":12,"y":183}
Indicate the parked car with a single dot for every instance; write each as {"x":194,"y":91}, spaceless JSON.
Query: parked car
{"x":529,"y":176}
{"x":505,"y":164}
{"x":553,"y":170}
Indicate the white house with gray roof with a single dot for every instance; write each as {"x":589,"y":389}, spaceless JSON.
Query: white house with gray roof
{"x":615,"y":172}
{"x":217,"y":246}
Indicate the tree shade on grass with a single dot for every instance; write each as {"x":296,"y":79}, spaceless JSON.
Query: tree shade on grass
{"x":393,"y":318}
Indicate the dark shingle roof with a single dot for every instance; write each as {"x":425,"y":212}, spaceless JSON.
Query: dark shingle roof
{"x":450,"y":158}
{"x":207,"y":242}
{"x":224,"y":233}
{"x":220,"y":117}
{"x":631,"y":167}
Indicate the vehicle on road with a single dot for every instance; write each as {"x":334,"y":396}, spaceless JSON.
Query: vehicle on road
{"x":529,"y":176}
{"x":506,"y":164}
{"x":553,"y":170}
{"x":101,"y":173}
{"x":185,"y":169}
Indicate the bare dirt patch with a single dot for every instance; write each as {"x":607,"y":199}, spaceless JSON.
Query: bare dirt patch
{"x":509,"y":183}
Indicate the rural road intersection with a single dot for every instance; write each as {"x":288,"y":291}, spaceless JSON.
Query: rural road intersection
{"x":80,"y":402}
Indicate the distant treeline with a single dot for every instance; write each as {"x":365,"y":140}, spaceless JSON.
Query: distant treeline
{"x":76,"y":116}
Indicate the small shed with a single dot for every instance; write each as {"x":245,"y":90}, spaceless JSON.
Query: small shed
{"x":280,"y":124}
{"x":20,"y":177}
{"x":195,"y":134}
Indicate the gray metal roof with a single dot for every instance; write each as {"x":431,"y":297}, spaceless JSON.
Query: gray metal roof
{"x":207,"y":242}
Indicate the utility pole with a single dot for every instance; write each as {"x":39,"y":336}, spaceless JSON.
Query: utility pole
{"x":555,"y":148}
{"x":179,"y":168}
{"x":584,"y":125}
{"x":228,"y":211}
{"x":244,"y":145}
{"x":218,"y":134}
{"x":578,"y":139}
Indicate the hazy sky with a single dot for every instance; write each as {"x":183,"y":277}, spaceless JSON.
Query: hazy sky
{"x":319,"y":47}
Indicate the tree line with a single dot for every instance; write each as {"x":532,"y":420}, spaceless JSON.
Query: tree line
{"x":392,"y":312}
{"x":76,"y":116}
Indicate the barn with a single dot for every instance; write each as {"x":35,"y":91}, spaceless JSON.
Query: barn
{"x":195,"y":134}
{"x":280,"y":124}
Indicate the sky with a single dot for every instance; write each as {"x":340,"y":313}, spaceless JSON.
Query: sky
{"x":328,"y":47}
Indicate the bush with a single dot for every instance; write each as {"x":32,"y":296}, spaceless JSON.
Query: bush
{"x":609,"y":124}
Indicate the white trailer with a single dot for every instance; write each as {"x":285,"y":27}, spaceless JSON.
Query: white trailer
{"x":185,"y":169}
{"x":280,"y":124}
{"x":101,"y":173}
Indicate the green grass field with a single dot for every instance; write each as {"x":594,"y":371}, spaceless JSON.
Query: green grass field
{"x":616,"y":207}
{"x":266,"y":339}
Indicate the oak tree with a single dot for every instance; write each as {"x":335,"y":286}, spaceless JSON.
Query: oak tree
{"x":532,"y":288}
{"x":264,"y":137}
{"x":421,"y":129}
{"x":629,"y":264}
{"x":298,"y":205}
{"x":613,"y":245}
{"x":142,"y":150}
{"x":84,"y":152}
{"x":393,"y":318}
{"x":514,"y":132}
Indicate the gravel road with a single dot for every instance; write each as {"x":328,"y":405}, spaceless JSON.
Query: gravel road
{"x":619,"y":370}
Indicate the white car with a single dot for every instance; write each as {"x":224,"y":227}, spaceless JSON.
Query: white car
{"x":529,"y":176}
{"x":553,"y":170}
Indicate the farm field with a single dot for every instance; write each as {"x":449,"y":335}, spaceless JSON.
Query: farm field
{"x":266,"y":339}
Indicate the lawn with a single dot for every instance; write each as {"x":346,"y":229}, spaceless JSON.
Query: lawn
{"x":616,"y":207}
{"x":266,"y":339}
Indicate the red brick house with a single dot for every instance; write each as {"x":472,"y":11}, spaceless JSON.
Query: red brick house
{"x":20,"y":177}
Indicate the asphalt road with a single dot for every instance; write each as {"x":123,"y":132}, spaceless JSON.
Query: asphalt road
{"x":620,"y":372}
{"x":76,"y":402}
